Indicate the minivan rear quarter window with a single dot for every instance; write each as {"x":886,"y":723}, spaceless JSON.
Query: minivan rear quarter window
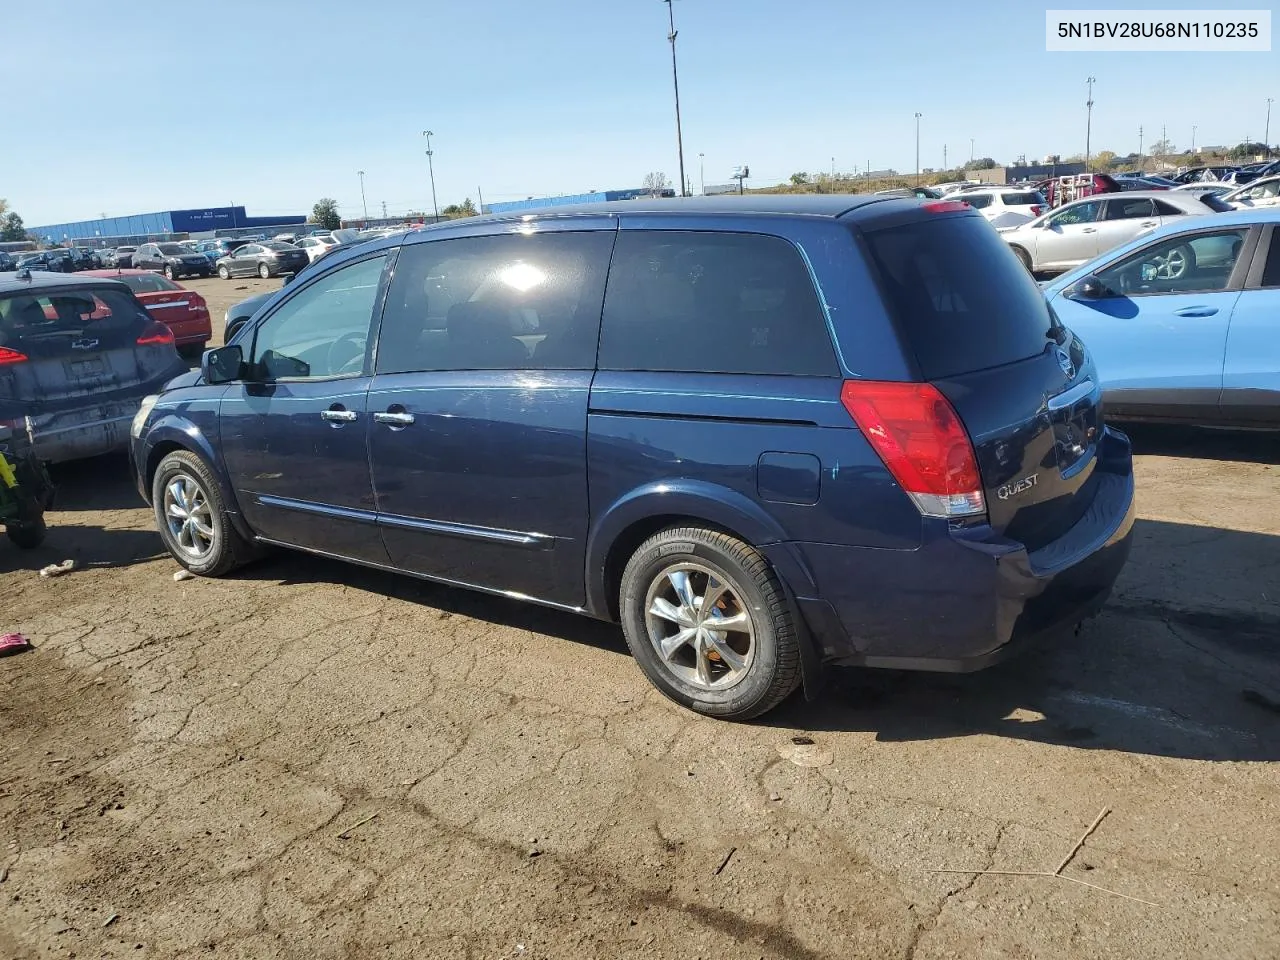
{"x":959,"y":295}
{"x":712,"y":303}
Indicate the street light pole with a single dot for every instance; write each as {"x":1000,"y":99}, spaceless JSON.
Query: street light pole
{"x":702,"y":174}
{"x":363,"y":201}
{"x":1088,"y":126}
{"x":918,"y":116}
{"x":675,"y":82}
{"x":1266,"y":136}
{"x":971,"y":149}
{"x":1193,"y":138}
{"x":431,"y":168}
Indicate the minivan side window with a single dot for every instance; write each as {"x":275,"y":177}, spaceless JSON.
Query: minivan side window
{"x":323,"y":330}
{"x":509,"y":302}
{"x":713,"y":303}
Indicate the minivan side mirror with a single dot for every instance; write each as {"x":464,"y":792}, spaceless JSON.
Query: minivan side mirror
{"x":1088,"y":288}
{"x":223,"y":365}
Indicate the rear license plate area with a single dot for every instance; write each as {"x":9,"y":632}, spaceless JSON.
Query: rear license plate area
{"x":1074,"y":415}
{"x":90,"y":367}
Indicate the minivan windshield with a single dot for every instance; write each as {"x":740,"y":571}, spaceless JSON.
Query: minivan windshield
{"x":959,"y":295}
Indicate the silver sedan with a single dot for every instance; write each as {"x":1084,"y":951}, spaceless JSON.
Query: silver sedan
{"x":1078,"y":231}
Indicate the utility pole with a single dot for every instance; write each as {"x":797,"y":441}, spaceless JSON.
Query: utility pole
{"x":675,"y":82}
{"x":1142,"y":157}
{"x":944,"y":157}
{"x":918,"y":116}
{"x":1266,"y":135}
{"x":384,"y":209}
{"x":702,"y":174}
{"x":431,"y":168}
{"x":971,"y":149}
{"x":1193,"y":138}
{"x":480,"y":194}
{"x":363,"y":201}
{"x":833,"y":174}
{"x":1088,"y":126}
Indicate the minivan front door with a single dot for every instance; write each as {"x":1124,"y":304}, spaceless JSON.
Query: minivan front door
{"x":479,"y":409}
{"x":295,"y":435}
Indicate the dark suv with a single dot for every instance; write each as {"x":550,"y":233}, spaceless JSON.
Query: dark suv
{"x":763,"y":434}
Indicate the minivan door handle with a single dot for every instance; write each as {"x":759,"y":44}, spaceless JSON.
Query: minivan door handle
{"x":338,"y":414}
{"x":1195,"y":312}
{"x":394,"y":418}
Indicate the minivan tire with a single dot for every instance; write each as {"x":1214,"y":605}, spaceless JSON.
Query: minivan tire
{"x":772,"y":670}
{"x":228,"y":549}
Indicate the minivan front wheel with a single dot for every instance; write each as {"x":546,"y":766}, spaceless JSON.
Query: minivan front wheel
{"x":192,"y":519}
{"x":709,"y":623}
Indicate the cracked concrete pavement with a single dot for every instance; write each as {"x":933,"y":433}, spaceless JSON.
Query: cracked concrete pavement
{"x":310,"y":760}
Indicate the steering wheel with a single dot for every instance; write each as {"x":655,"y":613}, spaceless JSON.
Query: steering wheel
{"x":346,"y":354}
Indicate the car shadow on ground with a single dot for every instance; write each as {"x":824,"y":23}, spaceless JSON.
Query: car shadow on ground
{"x":1160,"y":440}
{"x":289,"y":567}
{"x":91,"y":547}
{"x":99,"y":483}
{"x":1184,"y":661}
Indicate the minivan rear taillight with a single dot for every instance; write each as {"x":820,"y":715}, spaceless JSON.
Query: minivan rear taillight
{"x":8,"y":356}
{"x":156,"y":333}
{"x":917,"y":434}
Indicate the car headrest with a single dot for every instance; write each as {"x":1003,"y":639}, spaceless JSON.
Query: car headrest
{"x":476,"y":321}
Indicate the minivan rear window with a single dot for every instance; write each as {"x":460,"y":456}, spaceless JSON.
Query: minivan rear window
{"x":703,"y":302}
{"x":959,"y":295}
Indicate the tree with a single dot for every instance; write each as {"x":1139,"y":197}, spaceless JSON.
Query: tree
{"x":1162,"y":148}
{"x":325,"y":213}
{"x":456,"y":211}
{"x":1244,"y":151}
{"x":799,"y":179}
{"x":982,"y":163}
{"x":1105,"y":159}
{"x":656,"y":181}
{"x":11,"y":228}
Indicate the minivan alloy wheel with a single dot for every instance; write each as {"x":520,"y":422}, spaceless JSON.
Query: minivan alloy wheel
{"x":189,"y":517}
{"x":699,"y":626}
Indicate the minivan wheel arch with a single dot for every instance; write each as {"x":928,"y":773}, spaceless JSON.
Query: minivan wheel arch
{"x":163,"y":448}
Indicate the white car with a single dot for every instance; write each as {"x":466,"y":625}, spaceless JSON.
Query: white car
{"x":1259,"y":193}
{"x":1004,"y":206}
{"x":1083,"y":229}
{"x":317,"y":247}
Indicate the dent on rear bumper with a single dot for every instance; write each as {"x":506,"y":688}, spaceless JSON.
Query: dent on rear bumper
{"x":966,"y":598}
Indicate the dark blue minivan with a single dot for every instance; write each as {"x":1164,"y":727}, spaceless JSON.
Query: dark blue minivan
{"x":763,"y":433}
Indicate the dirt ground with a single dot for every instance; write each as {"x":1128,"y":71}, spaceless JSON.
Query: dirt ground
{"x":309,"y":760}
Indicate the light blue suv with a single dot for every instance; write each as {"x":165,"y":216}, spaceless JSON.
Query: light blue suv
{"x":1184,"y":323}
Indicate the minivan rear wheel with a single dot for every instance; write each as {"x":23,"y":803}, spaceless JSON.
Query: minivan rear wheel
{"x":709,"y":623}
{"x":192,"y":518}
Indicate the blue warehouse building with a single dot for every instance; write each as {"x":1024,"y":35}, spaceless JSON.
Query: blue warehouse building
{"x":158,"y":226}
{"x":596,"y":196}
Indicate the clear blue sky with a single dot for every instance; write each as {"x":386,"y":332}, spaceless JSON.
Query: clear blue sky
{"x":128,"y":110}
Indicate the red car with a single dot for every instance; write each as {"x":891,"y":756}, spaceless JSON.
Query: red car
{"x":183,"y":311}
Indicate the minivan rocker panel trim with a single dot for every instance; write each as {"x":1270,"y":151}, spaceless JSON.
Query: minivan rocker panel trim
{"x":763,"y":435}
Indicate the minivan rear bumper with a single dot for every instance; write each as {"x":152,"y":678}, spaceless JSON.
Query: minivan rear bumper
{"x":967,"y":597}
